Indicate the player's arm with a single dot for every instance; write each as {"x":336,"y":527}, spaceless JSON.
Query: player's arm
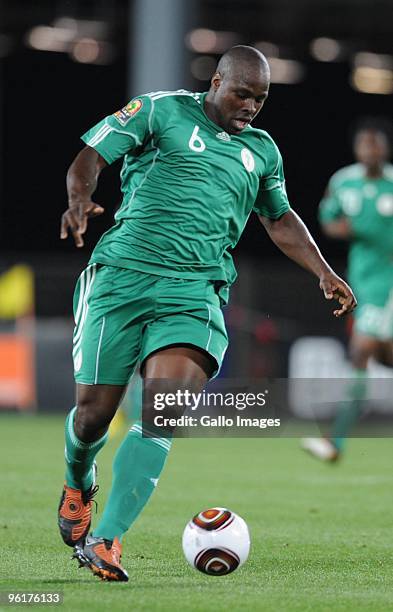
{"x":82,"y":178}
{"x":292,"y":237}
{"x":333,"y":222}
{"x":116,"y":135}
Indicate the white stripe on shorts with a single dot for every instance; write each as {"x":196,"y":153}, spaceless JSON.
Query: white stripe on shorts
{"x":99,"y":349}
{"x":85,"y":275}
{"x":79,"y":327}
{"x":207,"y":325}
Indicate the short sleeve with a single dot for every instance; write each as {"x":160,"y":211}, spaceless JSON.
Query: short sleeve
{"x":272,"y":199}
{"x":122,"y":132}
{"x":330,"y":207}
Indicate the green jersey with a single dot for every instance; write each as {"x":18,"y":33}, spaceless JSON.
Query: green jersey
{"x":188,"y":187}
{"x":368,"y":204}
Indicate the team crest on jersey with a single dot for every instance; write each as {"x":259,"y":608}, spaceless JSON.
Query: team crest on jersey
{"x":351,"y":202}
{"x":385,"y":205}
{"x":223,"y":136}
{"x":129,"y":111}
{"x":248,"y":160}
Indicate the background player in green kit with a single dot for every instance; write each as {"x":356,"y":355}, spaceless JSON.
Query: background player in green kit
{"x":194,"y":169}
{"x":358,"y":207}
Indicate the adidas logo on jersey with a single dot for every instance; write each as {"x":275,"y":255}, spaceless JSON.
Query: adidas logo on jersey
{"x":223,"y":136}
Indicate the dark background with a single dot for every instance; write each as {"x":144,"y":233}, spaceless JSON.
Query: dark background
{"x":48,"y":100}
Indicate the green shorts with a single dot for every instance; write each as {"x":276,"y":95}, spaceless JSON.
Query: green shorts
{"x":122,"y":316}
{"x":374,"y":317}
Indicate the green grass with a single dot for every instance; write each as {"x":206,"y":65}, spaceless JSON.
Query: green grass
{"x":321,"y":534}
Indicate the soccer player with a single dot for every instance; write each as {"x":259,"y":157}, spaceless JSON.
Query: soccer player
{"x":193,"y":170}
{"x":358,"y":207}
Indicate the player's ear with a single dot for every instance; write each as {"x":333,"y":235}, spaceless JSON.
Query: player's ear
{"x":216,"y":80}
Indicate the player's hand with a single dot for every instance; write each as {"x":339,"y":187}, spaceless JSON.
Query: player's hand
{"x":339,"y":228}
{"x":334,"y":287}
{"x":75,"y":219}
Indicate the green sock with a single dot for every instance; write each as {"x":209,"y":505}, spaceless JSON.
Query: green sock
{"x":349,"y":410}
{"x":79,"y":456}
{"x":136,"y":468}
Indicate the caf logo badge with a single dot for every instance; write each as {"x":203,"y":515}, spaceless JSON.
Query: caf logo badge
{"x":125,"y":114}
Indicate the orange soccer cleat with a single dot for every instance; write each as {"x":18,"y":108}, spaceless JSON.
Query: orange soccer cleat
{"x":74,"y":513}
{"x":102,"y":557}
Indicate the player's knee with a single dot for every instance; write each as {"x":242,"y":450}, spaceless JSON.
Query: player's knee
{"x":161,"y":398}
{"x":90,"y":422}
{"x":360,"y":352}
{"x":384,"y":353}
{"x":359,"y":360}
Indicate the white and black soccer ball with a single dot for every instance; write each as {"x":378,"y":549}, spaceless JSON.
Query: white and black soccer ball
{"x":216,"y":541}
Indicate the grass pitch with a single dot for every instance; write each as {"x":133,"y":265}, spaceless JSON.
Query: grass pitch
{"x":321,"y":534}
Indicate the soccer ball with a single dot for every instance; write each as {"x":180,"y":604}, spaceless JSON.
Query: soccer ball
{"x":216,"y":541}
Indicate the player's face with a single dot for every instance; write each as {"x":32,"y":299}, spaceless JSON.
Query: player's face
{"x":238,"y":99}
{"x":371,"y":148}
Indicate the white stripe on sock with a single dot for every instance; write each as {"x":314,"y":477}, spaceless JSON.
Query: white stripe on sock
{"x":164,"y":443}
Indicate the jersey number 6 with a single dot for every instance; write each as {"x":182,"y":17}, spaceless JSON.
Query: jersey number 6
{"x":196,"y":143}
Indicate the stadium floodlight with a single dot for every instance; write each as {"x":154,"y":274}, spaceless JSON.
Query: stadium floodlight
{"x":325,"y":49}
{"x":372,"y":73}
{"x":204,"y":40}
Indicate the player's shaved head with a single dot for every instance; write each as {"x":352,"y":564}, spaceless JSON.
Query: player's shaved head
{"x":242,"y":60}
{"x":239,"y":88}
